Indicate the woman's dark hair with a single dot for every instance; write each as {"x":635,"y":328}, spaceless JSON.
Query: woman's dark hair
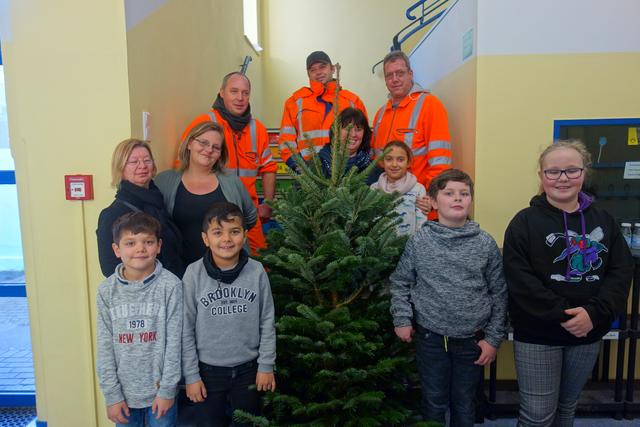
{"x":355,"y":117}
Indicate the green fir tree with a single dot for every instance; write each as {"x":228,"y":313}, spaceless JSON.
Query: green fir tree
{"x":339,"y":362}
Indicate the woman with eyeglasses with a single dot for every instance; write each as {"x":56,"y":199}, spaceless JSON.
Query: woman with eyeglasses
{"x":568,"y":271}
{"x":132,"y":170}
{"x":200,"y":181}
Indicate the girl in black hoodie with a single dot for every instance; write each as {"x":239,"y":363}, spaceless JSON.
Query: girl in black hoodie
{"x":568,"y":271}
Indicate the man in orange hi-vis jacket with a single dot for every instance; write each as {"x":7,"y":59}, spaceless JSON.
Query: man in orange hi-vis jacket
{"x":248,"y":146}
{"x":308,"y":113}
{"x":414,"y":116}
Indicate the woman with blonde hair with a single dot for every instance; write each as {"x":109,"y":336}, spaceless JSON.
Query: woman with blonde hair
{"x":200,"y":181}
{"x":132,"y":172}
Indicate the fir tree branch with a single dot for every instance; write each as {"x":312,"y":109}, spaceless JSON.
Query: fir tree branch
{"x":353,"y":297}
{"x":318,"y":294}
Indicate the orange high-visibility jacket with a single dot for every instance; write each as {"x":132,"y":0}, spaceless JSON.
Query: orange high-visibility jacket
{"x":249,"y":156}
{"x":304,"y":120}
{"x":420,"y":120}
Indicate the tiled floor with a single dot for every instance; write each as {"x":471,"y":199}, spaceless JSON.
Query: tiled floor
{"x":16,"y":417}
{"x":16,"y":370}
{"x":580,"y":422}
{"x":16,"y":365}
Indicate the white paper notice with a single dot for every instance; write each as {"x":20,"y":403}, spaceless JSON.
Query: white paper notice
{"x":146,"y":126}
{"x":632,"y":170}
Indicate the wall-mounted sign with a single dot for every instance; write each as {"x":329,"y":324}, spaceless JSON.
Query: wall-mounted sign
{"x":467,"y":44}
{"x":632,"y":170}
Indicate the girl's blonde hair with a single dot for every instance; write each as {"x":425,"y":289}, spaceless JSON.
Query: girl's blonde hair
{"x":574,"y":144}
{"x":184,"y":153}
{"x":121,"y":156}
{"x":567,"y":143}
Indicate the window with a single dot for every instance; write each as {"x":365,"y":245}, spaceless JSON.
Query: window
{"x":250,"y":15}
{"x":11,"y":264}
{"x":615,"y":155}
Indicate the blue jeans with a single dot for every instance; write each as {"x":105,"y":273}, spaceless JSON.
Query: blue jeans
{"x":550,"y":379}
{"x":228,"y":385}
{"x":143,"y":417}
{"x":448,"y":376}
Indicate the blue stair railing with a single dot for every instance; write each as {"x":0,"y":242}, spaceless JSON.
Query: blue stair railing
{"x":431,"y":10}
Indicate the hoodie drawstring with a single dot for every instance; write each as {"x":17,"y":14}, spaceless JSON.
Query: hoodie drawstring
{"x":583,"y":225}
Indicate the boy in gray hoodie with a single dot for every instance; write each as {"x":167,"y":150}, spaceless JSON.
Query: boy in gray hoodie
{"x":449,"y":284}
{"x":139,"y":328}
{"x":229,"y":337}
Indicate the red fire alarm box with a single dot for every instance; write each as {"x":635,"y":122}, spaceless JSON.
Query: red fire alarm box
{"x":78,"y":187}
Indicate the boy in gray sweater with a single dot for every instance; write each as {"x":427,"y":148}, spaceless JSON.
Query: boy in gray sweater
{"x":139,"y":328}
{"x":229,"y":337}
{"x":449,"y":284}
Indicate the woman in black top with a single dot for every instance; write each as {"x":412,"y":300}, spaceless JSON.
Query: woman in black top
{"x":132,"y":170}
{"x":200,"y":182}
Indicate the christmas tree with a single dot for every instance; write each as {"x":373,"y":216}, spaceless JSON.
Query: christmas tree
{"x":339,"y":362}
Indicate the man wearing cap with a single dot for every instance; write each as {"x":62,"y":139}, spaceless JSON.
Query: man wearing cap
{"x":414,"y":116}
{"x":308,"y":113}
{"x":247,"y":143}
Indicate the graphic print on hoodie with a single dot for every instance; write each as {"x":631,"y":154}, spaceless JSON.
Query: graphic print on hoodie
{"x":582,"y":252}
{"x":554,"y":261}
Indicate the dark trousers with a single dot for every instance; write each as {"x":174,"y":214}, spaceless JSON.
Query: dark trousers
{"x":228,"y":389}
{"x":448,"y":376}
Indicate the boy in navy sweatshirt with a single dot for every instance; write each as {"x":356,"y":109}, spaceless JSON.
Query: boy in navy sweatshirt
{"x":139,"y":328}
{"x":449,"y":284}
{"x":229,"y":337}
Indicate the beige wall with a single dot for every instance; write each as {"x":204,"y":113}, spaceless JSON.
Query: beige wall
{"x":355,"y":33}
{"x":77,"y":83}
{"x":177,"y":58}
{"x":76,"y":86}
{"x":501,"y":112}
{"x":518,"y":98}
{"x":457,"y":91}
{"x":68,"y":100}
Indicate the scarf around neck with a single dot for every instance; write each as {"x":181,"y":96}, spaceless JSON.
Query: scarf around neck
{"x":224,"y":276}
{"x":402,"y":185}
{"x":141,"y":196}
{"x":237,"y":123}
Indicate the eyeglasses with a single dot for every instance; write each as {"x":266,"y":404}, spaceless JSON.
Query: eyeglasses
{"x":398,"y":74}
{"x":571,"y":173}
{"x":137,"y":162}
{"x":206,"y":144}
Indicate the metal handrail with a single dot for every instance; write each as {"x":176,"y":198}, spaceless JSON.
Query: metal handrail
{"x":419,"y":22}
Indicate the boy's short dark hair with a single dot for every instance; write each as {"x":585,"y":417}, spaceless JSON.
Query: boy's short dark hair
{"x":222,"y":211}
{"x":135,"y":222}
{"x":440,"y":182}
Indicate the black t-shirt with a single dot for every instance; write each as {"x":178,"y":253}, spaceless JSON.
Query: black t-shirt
{"x":188,"y":212}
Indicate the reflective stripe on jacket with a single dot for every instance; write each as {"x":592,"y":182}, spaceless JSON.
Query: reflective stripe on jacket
{"x":304,"y":119}
{"x":420,"y":120}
